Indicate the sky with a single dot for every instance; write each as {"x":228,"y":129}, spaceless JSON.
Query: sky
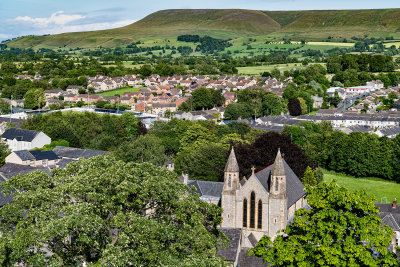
{"x":39,"y":17}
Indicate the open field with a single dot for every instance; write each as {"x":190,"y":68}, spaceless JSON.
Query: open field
{"x":331,"y":44}
{"x":384,"y":191}
{"x":257,"y":70}
{"x":119,"y":91}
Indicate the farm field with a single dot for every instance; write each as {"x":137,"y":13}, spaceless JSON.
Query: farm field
{"x":384,"y":191}
{"x":257,"y":70}
{"x":119,"y":91}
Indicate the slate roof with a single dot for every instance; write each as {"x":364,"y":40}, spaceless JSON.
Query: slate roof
{"x":389,"y":215}
{"x":76,"y":153}
{"x":249,"y":261}
{"x":390,"y":131}
{"x":17,"y":122}
{"x":36,"y":155}
{"x":206,"y":188}
{"x":64,"y":162}
{"x":20,"y":134}
{"x":231,"y":251}
{"x":40,"y":155}
{"x":294,"y":187}
{"x":10,"y":169}
{"x":24,"y":155}
{"x":390,"y":220}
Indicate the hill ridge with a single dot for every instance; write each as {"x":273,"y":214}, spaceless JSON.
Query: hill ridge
{"x":230,"y":24}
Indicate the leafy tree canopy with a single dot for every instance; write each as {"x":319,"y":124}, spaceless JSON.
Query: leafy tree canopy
{"x":103,"y":211}
{"x":340,"y":229}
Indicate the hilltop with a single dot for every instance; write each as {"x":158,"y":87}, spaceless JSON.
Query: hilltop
{"x":231,"y":24}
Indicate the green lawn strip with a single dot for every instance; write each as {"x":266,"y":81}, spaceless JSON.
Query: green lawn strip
{"x":383,"y":190}
{"x":119,"y":91}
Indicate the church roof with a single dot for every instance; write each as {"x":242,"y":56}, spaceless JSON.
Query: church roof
{"x":231,"y":251}
{"x":207,"y":188}
{"x":294,"y":187}
{"x":232,"y":165}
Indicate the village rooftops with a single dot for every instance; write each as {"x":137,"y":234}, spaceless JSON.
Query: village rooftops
{"x":76,"y":153}
{"x":20,"y":134}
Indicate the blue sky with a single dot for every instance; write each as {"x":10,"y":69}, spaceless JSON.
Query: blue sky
{"x":24,"y":17}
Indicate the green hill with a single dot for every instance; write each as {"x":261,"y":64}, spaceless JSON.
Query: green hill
{"x":231,"y":23}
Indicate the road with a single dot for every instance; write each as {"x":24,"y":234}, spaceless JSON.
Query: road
{"x":348,"y":102}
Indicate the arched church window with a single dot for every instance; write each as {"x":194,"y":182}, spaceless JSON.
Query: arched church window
{"x":245,"y":213}
{"x":229,"y":181}
{"x":259,"y":218}
{"x":276,"y":184}
{"x":252,"y":209}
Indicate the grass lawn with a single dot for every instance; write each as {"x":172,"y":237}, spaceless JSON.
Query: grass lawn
{"x":384,"y":191}
{"x":119,"y":91}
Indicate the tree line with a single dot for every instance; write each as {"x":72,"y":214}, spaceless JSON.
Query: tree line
{"x":358,"y":154}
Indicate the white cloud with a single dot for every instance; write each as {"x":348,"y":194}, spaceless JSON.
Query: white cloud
{"x":59,"y":22}
{"x":57,"y":18}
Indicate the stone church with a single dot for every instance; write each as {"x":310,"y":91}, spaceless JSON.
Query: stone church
{"x":261,"y":205}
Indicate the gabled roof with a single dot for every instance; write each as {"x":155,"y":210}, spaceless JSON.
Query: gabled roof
{"x":294,"y":187}
{"x":10,"y":169}
{"x":20,"y":134}
{"x":231,"y":251}
{"x":40,"y":155}
{"x":24,"y":155}
{"x":76,"y":153}
{"x":36,"y":155}
{"x":207,"y":188}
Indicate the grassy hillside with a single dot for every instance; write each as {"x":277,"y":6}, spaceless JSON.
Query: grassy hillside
{"x":231,"y":23}
{"x":163,"y":24}
{"x":339,"y":23}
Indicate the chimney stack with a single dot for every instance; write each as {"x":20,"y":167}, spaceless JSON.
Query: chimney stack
{"x":185,"y":178}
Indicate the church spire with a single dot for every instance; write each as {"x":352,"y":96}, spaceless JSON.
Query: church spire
{"x":231,"y":164}
{"x":279,"y":168}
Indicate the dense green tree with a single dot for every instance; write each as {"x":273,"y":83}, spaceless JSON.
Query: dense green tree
{"x":290,"y":91}
{"x":99,"y":211}
{"x":146,"y":148}
{"x":341,"y":229}
{"x":273,"y":104}
{"x":205,"y":162}
{"x":5,"y":107}
{"x":235,"y":111}
{"x":86,"y":129}
{"x":206,"y":98}
{"x":34,"y":99}
{"x":4,"y":152}
{"x":309,"y":177}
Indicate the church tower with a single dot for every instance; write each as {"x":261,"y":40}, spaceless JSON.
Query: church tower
{"x":231,"y":184}
{"x":277,"y":197}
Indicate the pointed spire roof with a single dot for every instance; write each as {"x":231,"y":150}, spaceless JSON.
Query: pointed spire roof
{"x":278,"y":169}
{"x":231,"y":164}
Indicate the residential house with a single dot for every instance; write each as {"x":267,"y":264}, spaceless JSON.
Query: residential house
{"x":19,"y":139}
{"x":34,"y":158}
{"x":318,"y":101}
{"x":127,"y":100}
{"x":163,"y":107}
{"x":73,"y":89}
